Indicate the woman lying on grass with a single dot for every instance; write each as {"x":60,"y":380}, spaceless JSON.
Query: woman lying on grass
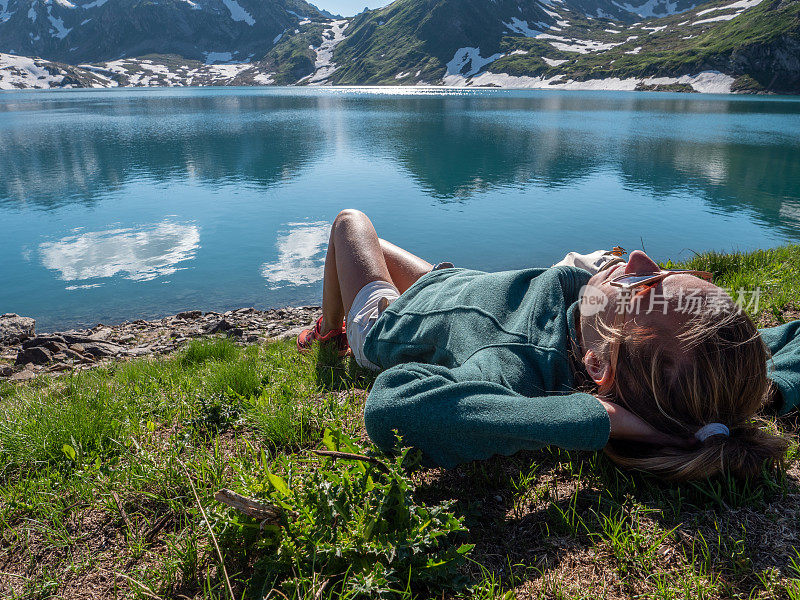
{"x":661,"y":369}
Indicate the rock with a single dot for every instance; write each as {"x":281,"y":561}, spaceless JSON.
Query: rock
{"x":76,"y":355}
{"x":92,"y":346}
{"x":102,"y":334}
{"x":36,"y":355}
{"x":291,"y":333}
{"x":23,"y":375}
{"x":142,"y":351}
{"x":44,"y":340}
{"x":14,"y":328}
{"x":221,"y":325}
{"x":79,"y":349}
{"x":189,"y":314}
{"x":52,"y":343}
{"x":101,"y":349}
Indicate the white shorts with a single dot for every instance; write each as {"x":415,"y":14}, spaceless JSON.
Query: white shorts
{"x":362,"y":317}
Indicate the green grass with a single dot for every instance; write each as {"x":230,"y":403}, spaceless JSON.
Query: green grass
{"x":774,"y":273}
{"x":96,"y":500}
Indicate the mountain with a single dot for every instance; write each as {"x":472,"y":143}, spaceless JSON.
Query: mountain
{"x":98,"y":30}
{"x":676,"y":45}
{"x":753,"y":43}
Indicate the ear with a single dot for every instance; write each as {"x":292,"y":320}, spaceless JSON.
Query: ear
{"x":599,"y":370}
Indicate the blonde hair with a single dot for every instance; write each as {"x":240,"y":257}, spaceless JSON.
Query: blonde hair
{"x":714,"y":370}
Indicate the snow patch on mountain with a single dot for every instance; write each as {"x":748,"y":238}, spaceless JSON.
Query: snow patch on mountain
{"x":707,"y":82}
{"x":651,"y":8}
{"x":18,"y":72}
{"x":465,"y":63}
{"x":264,"y":78}
{"x":555,"y":15}
{"x":575,"y":45}
{"x":95,"y":4}
{"x":324,"y":65}
{"x":217,"y":57}
{"x":719,"y":18}
{"x":4,"y":14}
{"x":554,"y":62}
{"x":518,"y":26}
{"x":59,"y":30}
{"x":238,"y":13}
{"x":743,"y":4}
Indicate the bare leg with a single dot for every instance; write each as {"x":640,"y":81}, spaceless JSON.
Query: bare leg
{"x":353,"y":260}
{"x":355,"y":257}
{"x":405,"y":268}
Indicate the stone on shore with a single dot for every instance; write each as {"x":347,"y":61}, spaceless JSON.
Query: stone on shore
{"x":38,"y":355}
{"x":82,"y":349}
{"x":14,"y":328}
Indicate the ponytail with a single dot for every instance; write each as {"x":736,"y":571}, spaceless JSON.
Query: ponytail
{"x":743,"y":454}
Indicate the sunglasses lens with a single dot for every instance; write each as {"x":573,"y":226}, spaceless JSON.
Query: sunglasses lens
{"x":634,"y":279}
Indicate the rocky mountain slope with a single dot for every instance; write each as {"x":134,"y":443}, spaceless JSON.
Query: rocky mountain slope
{"x":98,"y":30}
{"x":718,"y":46}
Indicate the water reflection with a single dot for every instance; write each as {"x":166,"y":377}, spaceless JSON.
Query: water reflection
{"x":81,"y":148}
{"x":247,"y":165}
{"x":301,"y":255}
{"x":136,"y":254}
{"x":82,"y":151}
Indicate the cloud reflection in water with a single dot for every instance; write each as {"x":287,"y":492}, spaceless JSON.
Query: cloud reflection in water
{"x":301,"y":255}
{"x":139,"y":254}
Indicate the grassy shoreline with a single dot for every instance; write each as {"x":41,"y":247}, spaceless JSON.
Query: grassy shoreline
{"x":97,"y":501}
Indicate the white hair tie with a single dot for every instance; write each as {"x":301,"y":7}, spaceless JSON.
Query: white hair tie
{"x":707,"y":431}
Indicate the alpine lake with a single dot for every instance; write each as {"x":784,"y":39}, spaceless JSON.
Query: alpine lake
{"x":139,"y":203}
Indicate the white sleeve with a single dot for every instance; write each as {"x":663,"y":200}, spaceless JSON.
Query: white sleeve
{"x":594,"y":262}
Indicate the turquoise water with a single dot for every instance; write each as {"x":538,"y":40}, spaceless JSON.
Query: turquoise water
{"x":120,"y":204}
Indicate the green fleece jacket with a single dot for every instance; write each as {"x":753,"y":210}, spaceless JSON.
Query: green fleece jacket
{"x":478,"y":364}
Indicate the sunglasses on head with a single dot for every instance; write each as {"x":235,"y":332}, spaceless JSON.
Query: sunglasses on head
{"x":635,"y":280}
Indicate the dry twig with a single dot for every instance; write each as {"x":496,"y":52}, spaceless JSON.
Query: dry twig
{"x":122,"y":512}
{"x":159,"y":525}
{"x":249,"y":506}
